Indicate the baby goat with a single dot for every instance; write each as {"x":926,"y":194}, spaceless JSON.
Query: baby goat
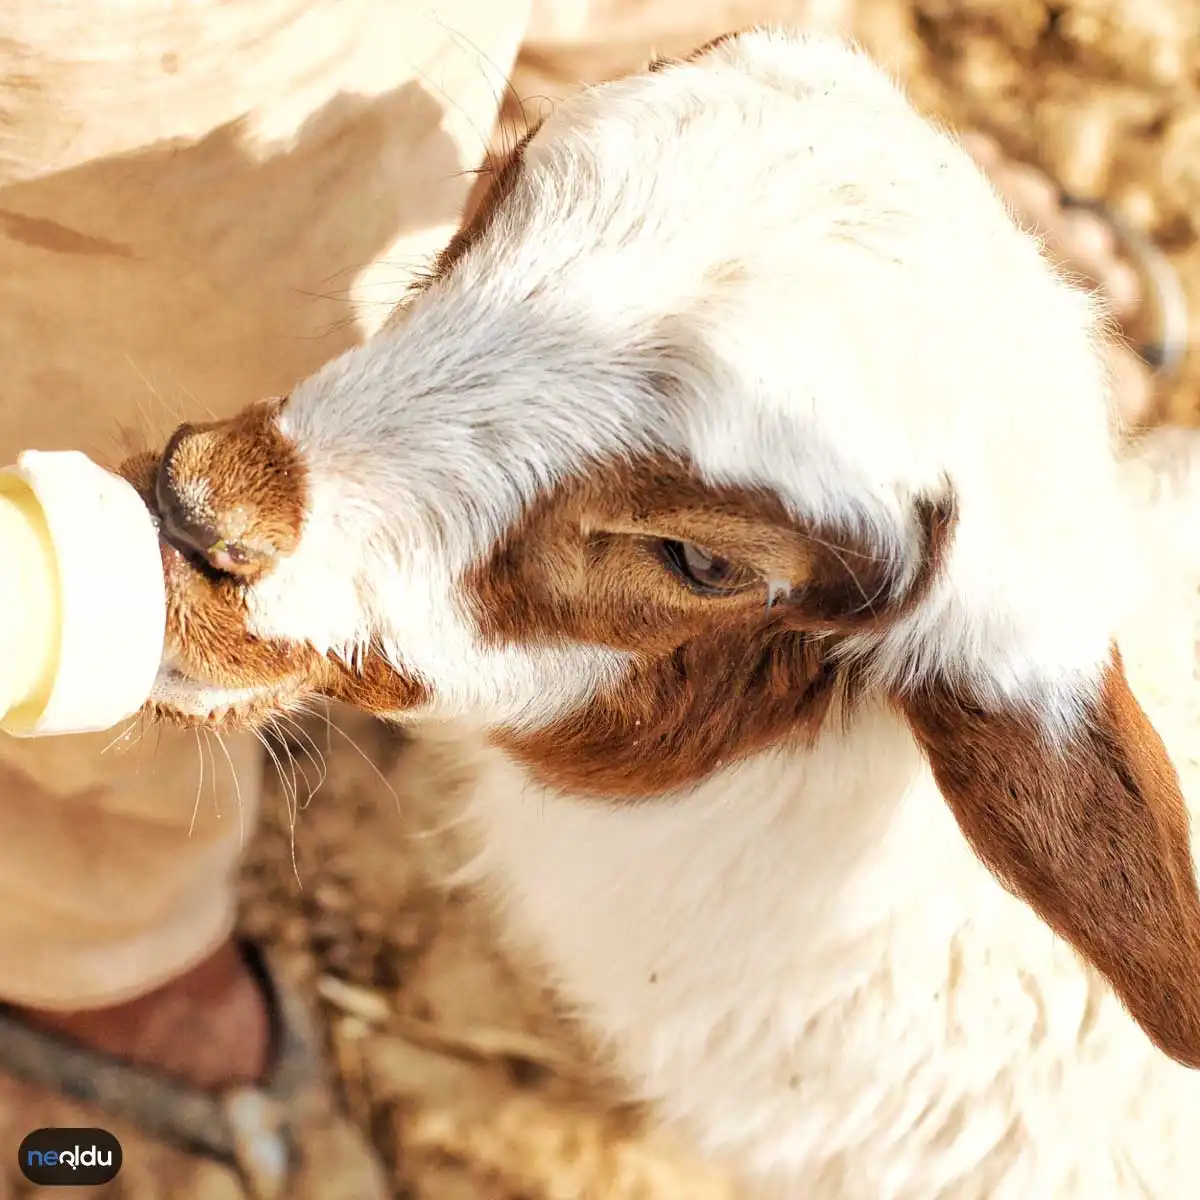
{"x":740,"y":492}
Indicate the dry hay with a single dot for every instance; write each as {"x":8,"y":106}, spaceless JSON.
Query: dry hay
{"x":453,"y":1059}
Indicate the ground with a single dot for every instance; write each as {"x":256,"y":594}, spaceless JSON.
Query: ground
{"x":453,"y":1060}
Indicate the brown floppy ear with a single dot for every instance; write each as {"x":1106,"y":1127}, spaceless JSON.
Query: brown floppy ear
{"x":1091,"y":832}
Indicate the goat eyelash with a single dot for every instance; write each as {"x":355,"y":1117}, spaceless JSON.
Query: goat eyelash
{"x":673,"y":553}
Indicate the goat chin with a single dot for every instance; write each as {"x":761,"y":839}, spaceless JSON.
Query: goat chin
{"x":901,"y":1026}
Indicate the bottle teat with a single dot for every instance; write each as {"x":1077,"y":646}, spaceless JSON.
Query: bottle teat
{"x":82,"y":599}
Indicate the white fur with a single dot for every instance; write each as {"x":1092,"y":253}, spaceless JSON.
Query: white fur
{"x":801,"y":960}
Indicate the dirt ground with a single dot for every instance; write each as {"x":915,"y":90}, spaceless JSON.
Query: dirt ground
{"x":450,"y":1056}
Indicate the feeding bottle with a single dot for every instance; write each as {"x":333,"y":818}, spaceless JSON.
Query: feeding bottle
{"x":82,"y":600}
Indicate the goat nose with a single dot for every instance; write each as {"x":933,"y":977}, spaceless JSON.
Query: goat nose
{"x":188,"y":520}
{"x":232,"y":495}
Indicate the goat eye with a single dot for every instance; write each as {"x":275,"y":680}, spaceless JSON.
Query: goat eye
{"x":703,"y":570}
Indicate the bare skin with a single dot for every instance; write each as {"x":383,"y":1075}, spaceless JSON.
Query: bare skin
{"x":211,"y":1027}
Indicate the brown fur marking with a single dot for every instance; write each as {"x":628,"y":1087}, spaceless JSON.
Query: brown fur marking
{"x":716,"y":678}
{"x":206,"y":611}
{"x":375,"y":686}
{"x":1094,"y":839}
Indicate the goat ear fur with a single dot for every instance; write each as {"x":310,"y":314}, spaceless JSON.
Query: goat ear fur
{"x":1090,"y":830}
{"x":1087,"y":825}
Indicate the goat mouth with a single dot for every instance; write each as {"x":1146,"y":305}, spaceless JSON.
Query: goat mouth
{"x":177,"y":555}
{"x":181,"y":699}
